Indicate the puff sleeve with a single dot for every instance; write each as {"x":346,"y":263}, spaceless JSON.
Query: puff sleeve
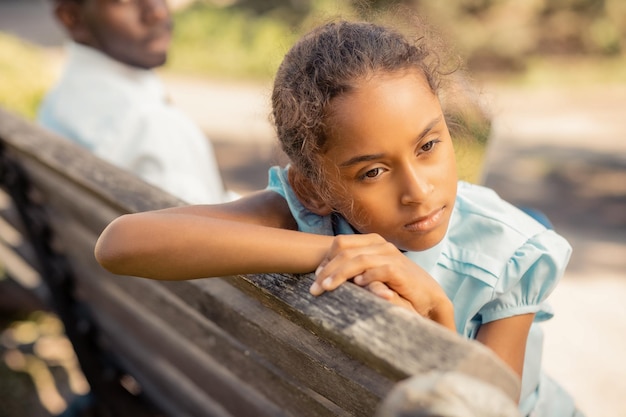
{"x":498,"y":261}
{"x":528,"y":278}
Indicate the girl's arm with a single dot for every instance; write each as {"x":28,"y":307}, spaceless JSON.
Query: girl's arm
{"x":255,"y":235}
{"x":507,"y":338}
{"x":251,"y":235}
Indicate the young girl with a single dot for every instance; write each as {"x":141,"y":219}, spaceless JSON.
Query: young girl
{"x":371,"y":195}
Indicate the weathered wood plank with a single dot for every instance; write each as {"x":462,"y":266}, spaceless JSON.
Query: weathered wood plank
{"x":79,"y":246}
{"x":449,"y":394}
{"x":133,"y":330}
{"x":306,"y":361}
{"x":419,"y":345}
{"x":319,"y":316}
{"x":254,"y":345}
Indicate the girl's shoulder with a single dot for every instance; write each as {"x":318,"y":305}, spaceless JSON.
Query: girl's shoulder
{"x":306,"y":220}
{"x":514,"y":260}
{"x":481,"y":209}
{"x":488,"y":235}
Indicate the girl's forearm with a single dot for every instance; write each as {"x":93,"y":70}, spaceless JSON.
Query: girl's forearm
{"x":188,"y":247}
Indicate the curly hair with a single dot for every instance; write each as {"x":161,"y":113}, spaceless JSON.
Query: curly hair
{"x":330,"y":61}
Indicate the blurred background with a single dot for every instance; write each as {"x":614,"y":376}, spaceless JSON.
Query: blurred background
{"x":550,"y":133}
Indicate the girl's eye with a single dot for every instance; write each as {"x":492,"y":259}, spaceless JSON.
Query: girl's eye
{"x":429,"y":146}
{"x":372,"y":173}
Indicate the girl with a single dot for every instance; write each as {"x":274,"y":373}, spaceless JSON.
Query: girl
{"x":371,"y":195}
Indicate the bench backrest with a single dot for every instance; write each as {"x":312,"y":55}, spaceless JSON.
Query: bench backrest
{"x":256,"y":345}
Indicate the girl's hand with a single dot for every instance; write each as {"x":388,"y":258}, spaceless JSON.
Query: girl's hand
{"x":381,"y":290}
{"x":367,"y":259}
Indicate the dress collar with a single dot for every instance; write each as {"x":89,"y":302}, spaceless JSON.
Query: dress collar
{"x":427,"y":259}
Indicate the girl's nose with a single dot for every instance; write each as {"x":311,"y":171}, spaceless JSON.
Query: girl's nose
{"x":415,"y":186}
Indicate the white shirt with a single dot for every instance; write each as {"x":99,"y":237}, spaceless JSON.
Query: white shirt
{"x":120,"y":113}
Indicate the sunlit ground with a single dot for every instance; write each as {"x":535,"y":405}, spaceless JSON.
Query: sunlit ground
{"x":36,"y":351}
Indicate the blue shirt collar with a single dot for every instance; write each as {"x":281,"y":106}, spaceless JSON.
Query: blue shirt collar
{"x":427,"y":259}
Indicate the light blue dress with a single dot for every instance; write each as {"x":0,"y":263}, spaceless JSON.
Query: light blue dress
{"x":494,"y":262}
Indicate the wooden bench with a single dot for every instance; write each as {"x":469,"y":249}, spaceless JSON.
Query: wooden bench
{"x":255,"y":345}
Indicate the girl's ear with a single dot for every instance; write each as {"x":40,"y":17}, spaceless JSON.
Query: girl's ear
{"x":70,"y":16}
{"x":308,"y":193}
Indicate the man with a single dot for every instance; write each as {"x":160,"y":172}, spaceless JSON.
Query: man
{"x":110,"y":101}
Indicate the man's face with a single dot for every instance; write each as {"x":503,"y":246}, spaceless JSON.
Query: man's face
{"x":135,"y":32}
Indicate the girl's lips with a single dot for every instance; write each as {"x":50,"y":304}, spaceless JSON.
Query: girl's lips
{"x":426,"y":223}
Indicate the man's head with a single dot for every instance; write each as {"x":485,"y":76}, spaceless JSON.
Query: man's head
{"x":135,"y":32}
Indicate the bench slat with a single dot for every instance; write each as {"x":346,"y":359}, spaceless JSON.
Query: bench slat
{"x":254,"y":345}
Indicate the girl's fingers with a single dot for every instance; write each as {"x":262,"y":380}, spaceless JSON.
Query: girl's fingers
{"x":349,"y":256}
{"x":382,"y":269}
{"x":328,"y":279}
{"x":331,"y":276}
{"x":316,"y":288}
{"x":366,"y":258}
{"x":379,"y":289}
{"x":393,"y":272}
{"x":326,"y":284}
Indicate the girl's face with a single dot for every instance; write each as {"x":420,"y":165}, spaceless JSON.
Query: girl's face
{"x":390,"y":160}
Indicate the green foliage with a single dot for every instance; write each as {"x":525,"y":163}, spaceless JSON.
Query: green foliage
{"x":470,"y":160}
{"x":470,"y":128}
{"x":501,"y":35}
{"x":222,"y":42}
{"x":247,"y":39}
{"x":25,"y":74}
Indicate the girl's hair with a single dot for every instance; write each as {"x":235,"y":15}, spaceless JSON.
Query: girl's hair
{"x":326,"y":63}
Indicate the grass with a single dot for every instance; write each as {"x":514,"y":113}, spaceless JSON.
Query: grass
{"x":233,"y":43}
{"x":221,"y":43}
{"x":26,"y":75}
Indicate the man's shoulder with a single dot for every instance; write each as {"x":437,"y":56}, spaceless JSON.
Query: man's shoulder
{"x":86,"y":110}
